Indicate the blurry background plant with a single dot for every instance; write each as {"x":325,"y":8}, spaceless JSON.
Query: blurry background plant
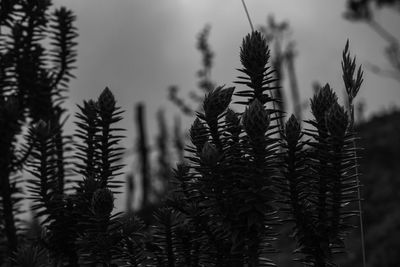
{"x":364,"y":11}
{"x":155,"y":171}
{"x":205,"y":83}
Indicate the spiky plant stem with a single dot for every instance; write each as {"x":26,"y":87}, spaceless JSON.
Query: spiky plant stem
{"x":105,"y":162}
{"x":364,"y":257}
{"x":107,"y":141}
{"x":360,"y":208}
{"x":352,"y":82}
{"x":87,"y":131}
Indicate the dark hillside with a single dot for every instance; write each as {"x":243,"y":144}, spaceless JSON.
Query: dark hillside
{"x":380,"y":167}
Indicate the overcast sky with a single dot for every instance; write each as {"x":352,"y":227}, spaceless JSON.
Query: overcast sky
{"x":139,"y":48}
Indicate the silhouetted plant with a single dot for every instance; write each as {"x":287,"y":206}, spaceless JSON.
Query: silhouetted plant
{"x":321,"y":172}
{"x":223,"y":206}
{"x":50,"y":202}
{"x":230,"y":185}
{"x":321,"y":181}
{"x":32,"y":83}
{"x":229,"y":190}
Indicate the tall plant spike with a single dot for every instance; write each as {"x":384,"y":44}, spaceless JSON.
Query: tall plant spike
{"x":99,"y":237}
{"x":352,"y":85}
{"x":87,"y":130}
{"x":110,"y":152}
{"x":233,"y":166}
{"x":254,"y":57}
{"x":64,"y":54}
{"x":321,"y":173}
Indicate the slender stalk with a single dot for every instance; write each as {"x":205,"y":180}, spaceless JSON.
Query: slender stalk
{"x":293,"y":83}
{"x":358,"y":187}
{"x":393,"y":42}
{"x":360,"y":209}
{"x":179,"y":144}
{"x":278,"y":93}
{"x":382,"y":32}
{"x":129,"y":192}
{"x":248,"y":16}
{"x":144,"y":153}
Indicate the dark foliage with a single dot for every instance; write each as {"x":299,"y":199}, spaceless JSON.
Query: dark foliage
{"x":245,"y":173}
{"x":32,"y":83}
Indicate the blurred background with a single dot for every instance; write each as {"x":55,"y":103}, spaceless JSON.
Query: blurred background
{"x":160,"y":57}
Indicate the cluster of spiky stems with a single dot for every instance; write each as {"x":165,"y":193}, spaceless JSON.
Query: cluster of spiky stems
{"x":32,"y":82}
{"x":239,"y":168}
{"x":78,"y":227}
{"x":244,"y":174}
